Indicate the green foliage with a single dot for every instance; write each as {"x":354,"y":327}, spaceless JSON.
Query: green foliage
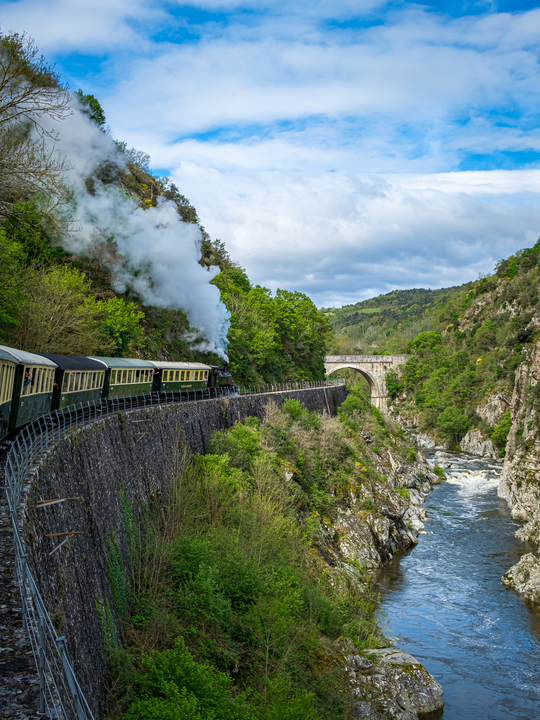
{"x":283,"y":337}
{"x":438,"y":471}
{"x":453,"y":424}
{"x":393,"y":385}
{"x":426,"y":343}
{"x":411,"y":454}
{"x":500,"y":432}
{"x":173,"y":686}
{"x":117,"y":579}
{"x":91,"y":106}
{"x":121,"y":326}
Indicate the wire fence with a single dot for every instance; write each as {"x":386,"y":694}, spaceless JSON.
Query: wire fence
{"x":60,"y":695}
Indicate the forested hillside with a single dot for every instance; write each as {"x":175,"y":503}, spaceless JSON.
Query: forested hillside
{"x":98,"y":256}
{"x":470,"y":342}
{"x":386,"y":323}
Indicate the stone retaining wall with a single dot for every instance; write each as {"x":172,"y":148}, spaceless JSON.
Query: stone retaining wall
{"x":117,"y":467}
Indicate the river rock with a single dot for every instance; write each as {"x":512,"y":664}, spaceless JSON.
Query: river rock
{"x":395,"y":686}
{"x":475,"y":443}
{"x":524,"y":577}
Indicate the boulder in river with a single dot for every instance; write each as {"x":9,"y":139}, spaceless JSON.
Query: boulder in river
{"x":390,"y":683}
{"x":524,"y":577}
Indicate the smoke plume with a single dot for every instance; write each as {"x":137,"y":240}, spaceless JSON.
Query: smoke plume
{"x":149,"y":250}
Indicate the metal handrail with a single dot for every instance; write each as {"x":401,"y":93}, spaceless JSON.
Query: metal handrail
{"x":60,"y":695}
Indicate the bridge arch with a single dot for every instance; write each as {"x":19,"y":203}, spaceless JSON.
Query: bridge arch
{"x":373,"y":368}
{"x":373,"y":385}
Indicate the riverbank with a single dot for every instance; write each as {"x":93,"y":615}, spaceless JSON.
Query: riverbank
{"x":446,"y":602}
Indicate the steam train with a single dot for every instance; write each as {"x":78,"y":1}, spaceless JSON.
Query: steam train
{"x":34,"y":384}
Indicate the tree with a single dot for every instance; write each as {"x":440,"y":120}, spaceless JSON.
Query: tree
{"x":121,"y":325}
{"x":453,"y":424}
{"x":59,"y":315}
{"x":30,"y":93}
{"x":91,"y":106}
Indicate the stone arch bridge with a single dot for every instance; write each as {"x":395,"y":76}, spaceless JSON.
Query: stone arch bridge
{"x":373,"y":368}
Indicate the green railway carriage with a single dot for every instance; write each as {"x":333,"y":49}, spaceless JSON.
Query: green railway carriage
{"x":8,"y":365}
{"x":32,"y":386}
{"x":177,"y":376}
{"x":76,"y":380}
{"x":126,"y":376}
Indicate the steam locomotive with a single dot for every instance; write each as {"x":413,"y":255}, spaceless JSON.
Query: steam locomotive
{"x":34,"y":384}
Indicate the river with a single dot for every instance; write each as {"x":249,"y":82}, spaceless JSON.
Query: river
{"x":446,"y":605}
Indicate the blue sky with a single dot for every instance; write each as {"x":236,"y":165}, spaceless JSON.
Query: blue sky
{"x":339,"y":148}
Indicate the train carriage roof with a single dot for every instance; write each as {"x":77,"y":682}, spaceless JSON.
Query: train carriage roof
{"x":180,"y":365}
{"x":73,"y":362}
{"x":112,"y":362}
{"x":6,"y":356}
{"x":26,"y":358}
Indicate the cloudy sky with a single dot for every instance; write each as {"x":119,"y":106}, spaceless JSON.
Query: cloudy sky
{"x":341,"y":148}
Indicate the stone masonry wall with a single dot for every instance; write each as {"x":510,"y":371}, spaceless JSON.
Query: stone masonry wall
{"x":118,"y":467}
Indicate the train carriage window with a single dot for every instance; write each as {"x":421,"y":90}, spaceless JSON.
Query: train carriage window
{"x":27,"y":380}
{"x":39,"y":380}
{"x":5,"y":382}
{"x":206,"y":374}
{"x":123,"y":380}
{"x":182,"y":375}
{"x":177,"y":375}
{"x":3,"y":375}
{"x":137,"y":376}
{"x":65,"y":382}
{"x":130,"y":376}
{"x":165,"y":375}
{"x":196,"y":375}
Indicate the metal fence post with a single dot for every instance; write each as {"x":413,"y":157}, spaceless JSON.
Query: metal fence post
{"x":41,"y":659}
{"x":24,"y":561}
{"x":62,"y":651}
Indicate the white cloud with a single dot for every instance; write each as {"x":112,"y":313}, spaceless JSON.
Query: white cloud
{"x":343,"y":237}
{"x":87,"y":26}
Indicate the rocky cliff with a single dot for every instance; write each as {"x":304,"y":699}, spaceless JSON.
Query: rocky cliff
{"x":520,"y":482}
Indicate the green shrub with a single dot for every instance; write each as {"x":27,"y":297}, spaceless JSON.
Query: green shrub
{"x":453,"y":424}
{"x":411,"y":454}
{"x":500,"y":431}
{"x":438,"y":471}
{"x":404,"y":493}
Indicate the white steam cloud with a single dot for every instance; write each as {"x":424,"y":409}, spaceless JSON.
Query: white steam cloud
{"x":152,"y":250}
